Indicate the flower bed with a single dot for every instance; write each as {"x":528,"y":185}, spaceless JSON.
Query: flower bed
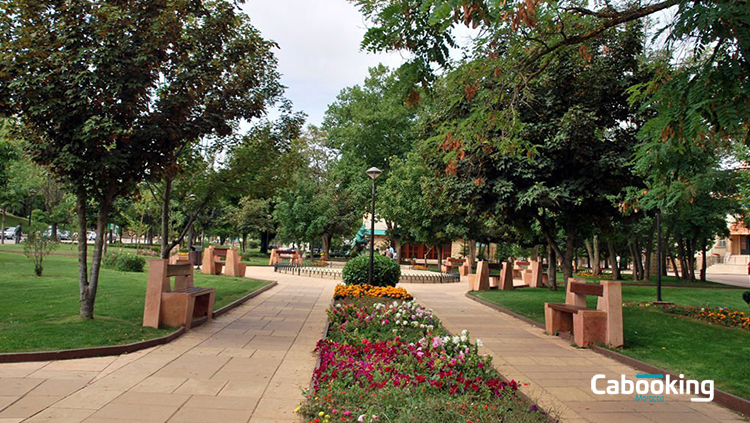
{"x":713,"y":315}
{"x":394,"y":362}
{"x":361,"y":291}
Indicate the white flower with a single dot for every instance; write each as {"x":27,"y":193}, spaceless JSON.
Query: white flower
{"x":456,"y":340}
{"x":463,"y":338}
{"x":464,"y":332}
{"x":479,"y":343}
{"x":415,"y":323}
{"x":361,"y":418}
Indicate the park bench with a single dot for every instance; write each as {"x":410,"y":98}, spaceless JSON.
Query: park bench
{"x":179,"y":258}
{"x":176,"y":306}
{"x":518,"y":269}
{"x":278,"y":256}
{"x":450,"y":264}
{"x":533,"y":276}
{"x":231,"y":265}
{"x":603,"y":325}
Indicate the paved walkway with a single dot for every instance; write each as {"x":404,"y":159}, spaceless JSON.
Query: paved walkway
{"x":252,"y":364}
{"x":558,"y":375}
{"x":728,"y":279}
{"x":249,"y":365}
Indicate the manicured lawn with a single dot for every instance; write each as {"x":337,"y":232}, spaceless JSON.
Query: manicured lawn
{"x":681,"y":345}
{"x":39,"y":314}
{"x":665,"y":280}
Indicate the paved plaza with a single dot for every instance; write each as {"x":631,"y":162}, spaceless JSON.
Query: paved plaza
{"x":252,"y":364}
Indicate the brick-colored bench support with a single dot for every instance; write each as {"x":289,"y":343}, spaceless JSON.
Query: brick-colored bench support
{"x":176,"y":306}
{"x":480,"y":281}
{"x":603,"y":325}
{"x":231,"y":266}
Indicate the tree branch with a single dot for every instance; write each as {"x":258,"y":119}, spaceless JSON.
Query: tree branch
{"x":616,"y":19}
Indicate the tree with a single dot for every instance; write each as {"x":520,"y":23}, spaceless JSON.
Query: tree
{"x":370,"y":125}
{"x":578,"y":132}
{"x":118,"y":80}
{"x":703,"y":99}
{"x":418,"y":201}
{"x":8,"y":153}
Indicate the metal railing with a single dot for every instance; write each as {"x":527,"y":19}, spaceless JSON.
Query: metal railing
{"x":335,"y":273}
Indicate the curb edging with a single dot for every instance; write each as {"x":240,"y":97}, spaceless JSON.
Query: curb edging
{"x":730,"y":401}
{"x":108,"y":350}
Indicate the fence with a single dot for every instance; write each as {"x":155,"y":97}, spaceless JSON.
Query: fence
{"x":335,"y":273}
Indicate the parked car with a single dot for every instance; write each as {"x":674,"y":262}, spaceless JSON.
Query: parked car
{"x":10,"y":233}
{"x":91,"y":236}
{"x":63,"y":235}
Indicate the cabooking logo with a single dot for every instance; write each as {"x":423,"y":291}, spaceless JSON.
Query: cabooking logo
{"x":652,"y":388}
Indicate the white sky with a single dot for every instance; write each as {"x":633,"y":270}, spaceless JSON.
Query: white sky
{"x":319,"y":49}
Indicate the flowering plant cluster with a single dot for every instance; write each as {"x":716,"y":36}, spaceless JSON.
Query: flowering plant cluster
{"x":319,"y":263}
{"x":714,"y":315}
{"x":394,"y":362}
{"x":362,"y":291}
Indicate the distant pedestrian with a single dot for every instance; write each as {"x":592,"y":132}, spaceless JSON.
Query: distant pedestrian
{"x":18,"y":234}
{"x":392,"y":252}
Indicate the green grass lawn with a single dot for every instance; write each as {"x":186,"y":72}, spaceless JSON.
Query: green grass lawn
{"x":678,"y":344}
{"x":41,"y":313}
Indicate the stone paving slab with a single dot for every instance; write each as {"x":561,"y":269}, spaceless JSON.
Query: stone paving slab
{"x":554,"y":373}
{"x":249,"y":365}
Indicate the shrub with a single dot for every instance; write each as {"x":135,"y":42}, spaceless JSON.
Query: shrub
{"x":36,"y":247}
{"x":386,"y":272}
{"x":746,"y":297}
{"x":123,"y":262}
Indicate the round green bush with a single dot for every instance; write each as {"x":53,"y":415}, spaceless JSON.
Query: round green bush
{"x":124,"y":262}
{"x":385,"y":272}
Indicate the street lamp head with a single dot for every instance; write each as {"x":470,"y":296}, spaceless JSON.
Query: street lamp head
{"x":373,"y":172}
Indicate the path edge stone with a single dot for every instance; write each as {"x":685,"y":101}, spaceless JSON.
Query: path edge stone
{"x":730,"y":401}
{"x":109,"y":350}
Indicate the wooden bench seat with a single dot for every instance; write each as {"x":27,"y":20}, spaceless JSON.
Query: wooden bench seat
{"x":278,"y":256}
{"x":567,"y":308}
{"x":602,"y":325}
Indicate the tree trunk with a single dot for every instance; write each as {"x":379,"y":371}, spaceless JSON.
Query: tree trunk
{"x":552,"y":268}
{"x":590,"y":252}
{"x":439,"y":255}
{"x":613,"y":261}
{"x":639,"y":259}
{"x":691,"y":258}
{"x":327,"y":245}
{"x":649,"y":251}
{"x":86,"y":309}
{"x":703,"y":262}
{"x":53,"y":233}
{"x":673,"y":261}
{"x":264,"y":238}
{"x":472,"y":253}
{"x":597,"y":256}
{"x":2,"y":227}
{"x":681,"y":256}
{"x":165,"y":217}
{"x":191,"y":237}
{"x":89,"y":294}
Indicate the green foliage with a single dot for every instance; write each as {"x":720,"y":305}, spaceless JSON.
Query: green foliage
{"x":746,"y":297}
{"x":123,"y":262}
{"x":37,"y":247}
{"x":386,"y":271}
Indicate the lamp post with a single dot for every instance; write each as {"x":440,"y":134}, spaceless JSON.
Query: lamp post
{"x":373,"y":173}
